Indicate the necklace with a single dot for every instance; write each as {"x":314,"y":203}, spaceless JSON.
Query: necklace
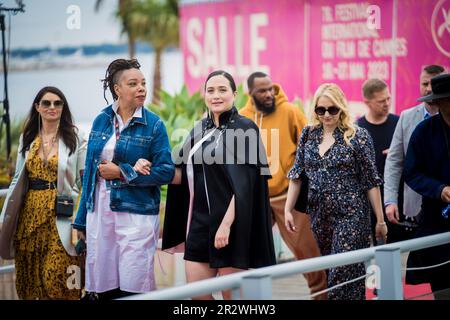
{"x":46,"y":151}
{"x":52,"y":140}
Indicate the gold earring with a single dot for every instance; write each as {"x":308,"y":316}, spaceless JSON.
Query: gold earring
{"x":39,"y":124}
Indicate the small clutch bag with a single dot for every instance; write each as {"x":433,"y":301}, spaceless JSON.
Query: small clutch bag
{"x":64,"y":206}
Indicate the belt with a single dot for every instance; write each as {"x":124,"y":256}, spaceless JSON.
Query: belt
{"x":38,"y":184}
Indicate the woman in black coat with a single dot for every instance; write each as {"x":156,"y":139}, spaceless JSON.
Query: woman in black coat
{"x":217,"y":208}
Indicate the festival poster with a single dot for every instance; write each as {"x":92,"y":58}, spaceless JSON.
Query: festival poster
{"x":242,"y":38}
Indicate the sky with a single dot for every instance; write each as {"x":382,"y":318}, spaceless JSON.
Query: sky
{"x":56,"y":23}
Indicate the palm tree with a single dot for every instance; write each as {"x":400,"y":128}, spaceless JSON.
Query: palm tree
{"x":123,"y":13}
{"x":156,"y":22}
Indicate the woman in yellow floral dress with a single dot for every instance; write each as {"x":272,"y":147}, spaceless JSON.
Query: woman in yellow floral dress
{"x":50,"y":147}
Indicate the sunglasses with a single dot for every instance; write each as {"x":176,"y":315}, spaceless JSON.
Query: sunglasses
{"x":47,"y":103}
{"x":320,"y":111}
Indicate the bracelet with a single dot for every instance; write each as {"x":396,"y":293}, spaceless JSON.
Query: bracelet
{"x":381,"y":223}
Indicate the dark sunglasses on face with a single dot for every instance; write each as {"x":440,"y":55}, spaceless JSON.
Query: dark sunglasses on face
{"x":47,"y":103}
{"x":320,"y":111}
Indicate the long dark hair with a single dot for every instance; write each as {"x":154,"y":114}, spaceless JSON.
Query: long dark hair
{"x":113,"y":73}
{"x":66,"y":130}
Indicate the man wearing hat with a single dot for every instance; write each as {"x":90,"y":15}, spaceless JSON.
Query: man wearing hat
{"x":427,"y":171}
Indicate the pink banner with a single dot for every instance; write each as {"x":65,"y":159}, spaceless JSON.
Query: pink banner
{"x":302,"y":44}
{"x":241,"y":37}
{"x":426,"y":27}
{"x":344,"y":50}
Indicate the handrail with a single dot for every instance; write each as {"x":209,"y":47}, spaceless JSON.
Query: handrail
{"x":3,"y":192}
{"x":234,"y":281}
{"x":7,"y":269}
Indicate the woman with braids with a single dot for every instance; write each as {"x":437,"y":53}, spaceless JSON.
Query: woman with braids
{"x":128,"y":159}
{"x":36,"y":228}
{"x":338,"y":160}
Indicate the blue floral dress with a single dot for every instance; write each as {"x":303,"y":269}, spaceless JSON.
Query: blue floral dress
{"x":337,"y":199}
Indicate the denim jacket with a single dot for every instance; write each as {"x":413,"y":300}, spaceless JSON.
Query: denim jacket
{"x":144,"y":137}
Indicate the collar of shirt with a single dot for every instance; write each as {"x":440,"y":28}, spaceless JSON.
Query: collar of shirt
{"x":137,"y":114}
{"x":426,"y":114}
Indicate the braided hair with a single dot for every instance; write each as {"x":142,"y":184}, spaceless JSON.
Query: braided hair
{"x":114,"y":72}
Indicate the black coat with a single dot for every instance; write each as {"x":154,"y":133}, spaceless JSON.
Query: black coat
{"x":427,"y":171}
{"x":240,"y":174}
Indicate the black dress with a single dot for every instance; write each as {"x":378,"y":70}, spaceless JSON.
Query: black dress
{"x":196,"y":247}
{"x":224,"y":170}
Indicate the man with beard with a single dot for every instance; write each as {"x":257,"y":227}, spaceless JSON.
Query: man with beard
{"x":380,"y":124}
{"x":281,"y":124}
{"x":400,"y":213}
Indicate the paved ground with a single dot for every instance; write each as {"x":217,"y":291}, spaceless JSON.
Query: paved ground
{"x":290,"y":288}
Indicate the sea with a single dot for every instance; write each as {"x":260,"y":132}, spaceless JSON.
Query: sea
{"x":79,"y":78}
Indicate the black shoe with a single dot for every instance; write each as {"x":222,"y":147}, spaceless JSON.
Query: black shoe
{"x":90,"y":296}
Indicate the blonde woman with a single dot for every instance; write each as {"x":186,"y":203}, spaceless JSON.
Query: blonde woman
{"x":338,"y":159}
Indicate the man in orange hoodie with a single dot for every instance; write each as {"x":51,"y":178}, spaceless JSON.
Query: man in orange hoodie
{"x":280,"y":124}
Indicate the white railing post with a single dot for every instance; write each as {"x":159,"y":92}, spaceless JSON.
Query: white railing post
{"x":236,"y":293}
{"x":389,"y":262}
{"x":257,"y":287}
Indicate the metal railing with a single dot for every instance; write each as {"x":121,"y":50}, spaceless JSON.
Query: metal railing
{"x":3,"y":192}
{"x":257,"y":284}
{"x":7,"y":269}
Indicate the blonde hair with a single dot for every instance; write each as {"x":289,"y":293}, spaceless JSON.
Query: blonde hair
{"x":335,"y":94}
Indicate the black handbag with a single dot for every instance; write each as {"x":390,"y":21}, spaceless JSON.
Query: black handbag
{"x":64,"y":206}
{"x":302,"y":200}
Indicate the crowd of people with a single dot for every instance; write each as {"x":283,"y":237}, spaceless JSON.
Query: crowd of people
{"x":331,"y":184}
